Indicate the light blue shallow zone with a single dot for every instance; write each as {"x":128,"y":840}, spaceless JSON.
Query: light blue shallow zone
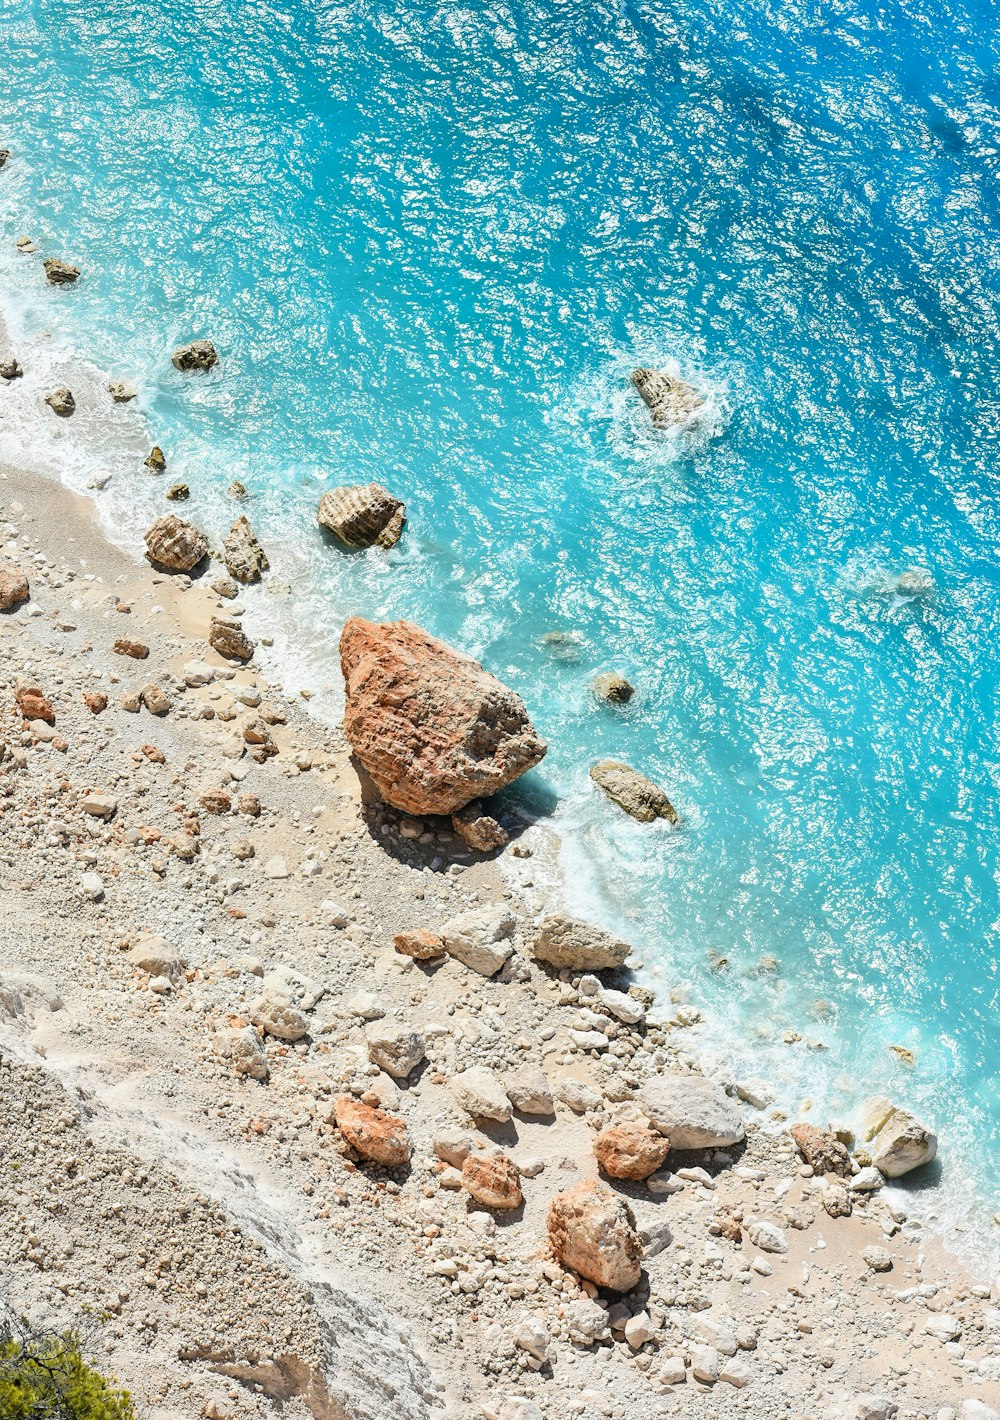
{"x":431,"y":242}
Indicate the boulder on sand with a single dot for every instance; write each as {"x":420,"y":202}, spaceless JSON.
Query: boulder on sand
{"x":822,"y":1150}
{"x":362,"y":515}
{"x":374,"y":1134}
{"x":593,"y":1233}
{"x":899,"y":1141}
{"x":564,"y":941}
{"x":431,"y":727}
{"x":669,"y":400}
{"x":230,"y":640}
{"x":244,"y":557}
{"x":633,"y":792}
{"x":174,"y":545}
{"x":14,"y":588}
{"x":630,"y":1151}
{"x":693,"y":1112}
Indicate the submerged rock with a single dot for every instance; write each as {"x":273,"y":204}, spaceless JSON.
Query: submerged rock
{"x":197,"y":355}
{"x":432,"y":728}
{"x":174,"y":545}
{"x":244,"y":557}
{"x":669,"y":400}
{"x":565,"y":941}
{"x":60,"y":273}
{"x":593,"y":1233}
{"x":61,"y":402}
{"x":633,"y":792}
{"x":362,"y":515}
{"x":612,"y":688}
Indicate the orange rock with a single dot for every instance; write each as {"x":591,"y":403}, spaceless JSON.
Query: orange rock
{"x":154,"y":755}
{"x":822,"y":1150}
{"x":375,"y":1135}
{"x":493,"y":1180}
{"x":630,"y":1151}
{"x":420,"y":944}
{"x":33,"y":705}
{"x":14,"y":588}
{"x":592,"y":1232}
{"x":431,"y":727}
{"x":96,"y":701}
{"x":138,"y":650}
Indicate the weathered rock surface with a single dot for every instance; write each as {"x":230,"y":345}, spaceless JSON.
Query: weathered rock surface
{"x":136,"y":650}
{"x":693,"y":1112}
{"x":61,"y":402}
{"x":480,"y":1094}
{"x":121,"y":391}
{"x":362,"y":515}
{"x":633,"y":792}
{"x":669,"y":400}
{"x":395,"y":1049}
{"x":630,"y":1151}
{"x":493,"y":1180}
{"x":34,"y":704}
{"x":242,"y":1048}
{"x":374,"y":1134}
{"x":431,"y":727}
{"x":480,"y":939}
{"x":899,"y":1141}
{"x":592,"y":1232}
{"x":197,"y":355}
{"x":244,"y":557}
{"x":60,"y":273}
{"x":174,"y":545}
{"x":565,"y":941}
{"x":822,"y":1150}
{"x":481,"y":832}
{"x":529,"y":1091}
{"x":14,"y":588}
{"x":156,"y":460}
{"x":421,"y":944}
{"x":230,"y":640}
{"x":613,"y":688}
{"x":10,"y":369}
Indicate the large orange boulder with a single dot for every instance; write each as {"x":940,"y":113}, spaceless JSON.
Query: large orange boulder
{"x":592,"y":1232}
{"x":493,"y":1180}
{"x":431,"y":727}
{"x":383,"y":1138}
{"x":630,"y":1151}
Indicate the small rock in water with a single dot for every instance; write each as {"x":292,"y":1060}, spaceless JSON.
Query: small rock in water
{"x":61,"y":402}
{"x":121,"y":392}
{"x":198,"y":355}
{"x":669,"y":400}
{"x":60,"y":273}
{"x":156,"y":460}
{"x":244,"y":557}
{"x":612,"y":688}
{"x":178,"y":493}
{"x":10,"y":369}
{"x":633,"y":792}
{"x":362,"y":515}
{"x":236,"y":489}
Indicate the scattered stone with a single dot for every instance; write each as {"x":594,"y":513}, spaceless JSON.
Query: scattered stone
{"x":431,"y":727}
{"x":767,"y":1236}
{"x":243,"y":1049}
{"x":10,"y":369}
{"x":480,"y":939}
{"x":138,"y":650}
{"x":529,"y":1092}
{"x":669,"y":400}
{"x":173,"y":545}
{"x":61,"y":402}
{"x":99,"y":806}
{"x":33,"y":705}
{"x":633,"y":792}
{"x":630,"y":1151}
{"x":822,"y":1150}
{"x":493,"y":1180}
{"x":178,"y":493}
{"x":564,"y":941}
{"x":420,"y":944}
{"x":156,"y":701}
{"x":60,"y":273}
{"x":612,"y":688}
{"x":899,"y":1142}
{"x":230,"y":640}
{"x":592,"y":1232}
{"x":395,"y":1050}
{"x":482,"y":833}
{"x":275,"y":1012}
{"x":14,"y":588}
{"x":198,"y":355}
{"x":362,"y":515}
{"x":156,"y":460}
{"x":480,"y":1094}
{"x":692,"y":1111}
{"x":96,"y":701}
{"x":244,"y":557}
{"x":877,"y":1258}
{"x":383,"y":1138}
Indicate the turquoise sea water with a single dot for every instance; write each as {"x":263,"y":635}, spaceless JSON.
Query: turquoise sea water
{"x":431,"y":242}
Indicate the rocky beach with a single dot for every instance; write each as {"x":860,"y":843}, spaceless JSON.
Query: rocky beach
{"x":311,"y":1105}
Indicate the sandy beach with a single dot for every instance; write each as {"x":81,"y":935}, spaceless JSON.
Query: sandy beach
{"x":197,"y":978}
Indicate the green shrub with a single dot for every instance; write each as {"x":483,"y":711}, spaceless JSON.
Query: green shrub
{"x":44,"y":1377}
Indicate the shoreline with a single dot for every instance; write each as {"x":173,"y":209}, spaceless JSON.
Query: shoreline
{"x":321,"y":1222}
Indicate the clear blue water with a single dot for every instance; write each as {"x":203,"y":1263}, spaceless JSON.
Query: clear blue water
{"x":431,"y":242}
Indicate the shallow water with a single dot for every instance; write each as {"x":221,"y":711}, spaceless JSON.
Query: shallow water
{"x":431,"y":243}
